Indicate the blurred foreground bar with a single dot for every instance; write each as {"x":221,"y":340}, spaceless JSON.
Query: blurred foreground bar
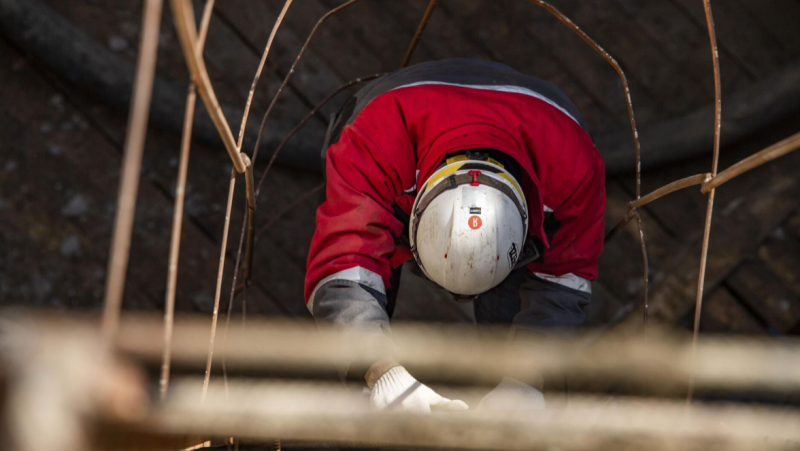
{"x":461,"y":354}
{"x":64,"y":388}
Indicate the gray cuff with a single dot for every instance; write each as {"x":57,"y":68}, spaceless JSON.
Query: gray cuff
{"x":356,"y":307}
{"x":549,"y":304}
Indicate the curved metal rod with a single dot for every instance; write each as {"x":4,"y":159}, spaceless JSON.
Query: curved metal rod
{"x":610,"y":59}
{"x":187,"y":34}
{"x":288,"y":77}
{"x":177,"y":214}
{"x":420,"y":29}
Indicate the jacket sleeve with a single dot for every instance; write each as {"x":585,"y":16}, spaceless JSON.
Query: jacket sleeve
{"x":348,"y":268}
{"x":575,"y":228}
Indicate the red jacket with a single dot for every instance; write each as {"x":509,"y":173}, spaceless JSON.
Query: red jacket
{"x":402,"y":128}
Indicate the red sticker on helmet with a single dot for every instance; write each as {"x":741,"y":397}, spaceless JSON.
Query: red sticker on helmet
{"x":474,"y":222}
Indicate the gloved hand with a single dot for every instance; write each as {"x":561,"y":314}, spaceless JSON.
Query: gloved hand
{"x":511,"y":395}
{"x":398,"y":390}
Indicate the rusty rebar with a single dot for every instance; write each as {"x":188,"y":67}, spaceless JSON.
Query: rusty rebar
{"x":177,"y":215}
{"x":187,"y":35}
{"x":772,"y":152}
{"x":418,"y":34}
{"x":712,"y":35}
{"x":669,"y":188}
{"x":131,"y":164}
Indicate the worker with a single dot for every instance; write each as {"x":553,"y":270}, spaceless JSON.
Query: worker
{"x":488,"y":180}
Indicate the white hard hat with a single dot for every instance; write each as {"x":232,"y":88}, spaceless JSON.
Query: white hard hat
{"x":468,"y":225}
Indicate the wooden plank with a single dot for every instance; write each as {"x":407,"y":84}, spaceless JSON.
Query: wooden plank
{"x":781,"y":253}
{"x":793,"y":225}
{"x":778,"y":18}
{"x":373,"y":33}
{"x":621,"y":263}
{"x":443,"y":37}
{"x":65,"y":198}
{"x":687,"y":45}
{"x":740,"y":35}
{"x":505,"y":37}
{"x":765,"y":294}
{"x":724,"y":314}
{"x":606,"y":309}
{"x":665,"y":82}
{"x":745,"y":212}
{"x":231,"y":64}
{"x":583,"y":62}
{"x":210,"y":168}
{"x":315,"y":76}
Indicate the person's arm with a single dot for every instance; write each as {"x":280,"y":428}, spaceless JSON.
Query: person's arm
{"x":348,"y":268}
{"x":368,"y":166}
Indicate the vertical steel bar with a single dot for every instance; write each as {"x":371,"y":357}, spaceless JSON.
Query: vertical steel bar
{"x":712,"y":35}
{"x":177,"y":215}
{"x":131,"y":164}
{"x":220,"y":271}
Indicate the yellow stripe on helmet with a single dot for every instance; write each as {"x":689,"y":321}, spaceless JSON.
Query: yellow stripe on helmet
{"x":442,"y":173}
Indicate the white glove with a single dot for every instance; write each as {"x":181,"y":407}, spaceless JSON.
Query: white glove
{"x":398,"y":390}
{"x":512,"y":395}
